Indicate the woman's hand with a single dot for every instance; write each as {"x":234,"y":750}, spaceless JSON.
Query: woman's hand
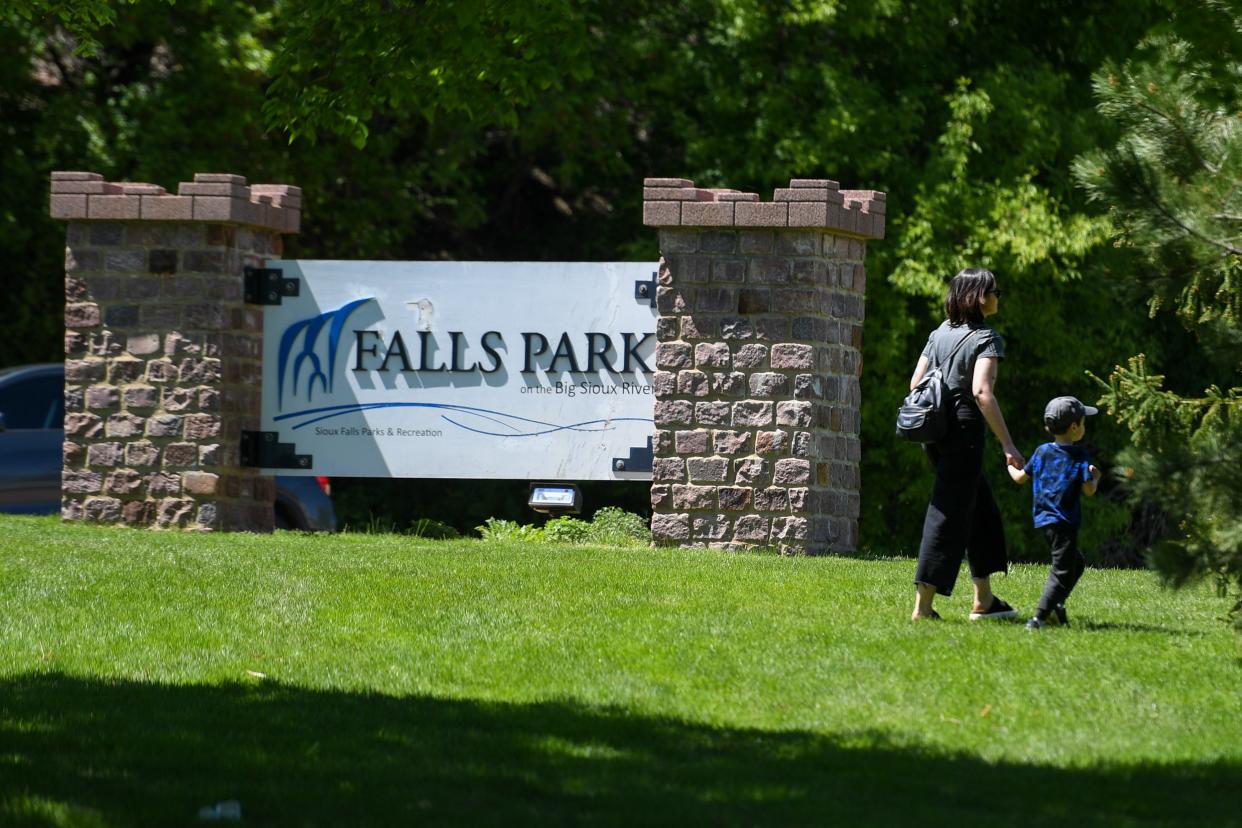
{"x":1014,"y":458}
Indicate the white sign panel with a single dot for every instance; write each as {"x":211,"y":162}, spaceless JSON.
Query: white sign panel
{"x":505,"y":370}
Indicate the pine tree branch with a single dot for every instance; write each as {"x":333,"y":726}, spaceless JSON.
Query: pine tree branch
{"x":1206,"y":463}
{"x":1173,"y":219}
{"x":1181,"y":130}
{"x":1232,"y":191}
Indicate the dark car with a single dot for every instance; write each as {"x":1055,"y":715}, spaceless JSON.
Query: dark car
{"x":32,"y":414}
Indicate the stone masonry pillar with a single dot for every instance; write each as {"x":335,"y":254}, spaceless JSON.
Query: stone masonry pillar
{"x":162,"y":356}
{"x":757,"y":363}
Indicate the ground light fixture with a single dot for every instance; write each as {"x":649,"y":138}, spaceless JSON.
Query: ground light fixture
{"x":555,"y":498}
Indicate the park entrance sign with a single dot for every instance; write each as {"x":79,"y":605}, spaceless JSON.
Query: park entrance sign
{"x":199,"y":363}
{"x":500,"y":370}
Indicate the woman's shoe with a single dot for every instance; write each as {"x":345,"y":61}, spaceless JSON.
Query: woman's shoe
{"x":999,"y":609}
{"x":931,"y":615}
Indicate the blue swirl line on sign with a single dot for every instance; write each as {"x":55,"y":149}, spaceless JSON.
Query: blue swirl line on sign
{"x":573,"y":427}
{"x":332,"y":411}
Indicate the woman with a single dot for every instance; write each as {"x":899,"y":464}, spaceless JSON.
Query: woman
{"x":962,"y":518}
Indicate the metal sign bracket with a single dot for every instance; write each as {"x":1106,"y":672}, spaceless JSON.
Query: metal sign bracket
{"x":268,"y":286}
{"x":260,"y":449}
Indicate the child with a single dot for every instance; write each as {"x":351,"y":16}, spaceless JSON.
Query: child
{"x":1062,"y":472}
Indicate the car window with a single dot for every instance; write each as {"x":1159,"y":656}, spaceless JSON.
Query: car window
{"x":38,"y":402}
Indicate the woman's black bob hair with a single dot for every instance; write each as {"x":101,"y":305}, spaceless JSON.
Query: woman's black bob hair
{"x":967,"y":293}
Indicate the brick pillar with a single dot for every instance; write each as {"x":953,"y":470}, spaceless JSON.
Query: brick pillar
{"x":757,"y":363}
{"x":162,"y":357}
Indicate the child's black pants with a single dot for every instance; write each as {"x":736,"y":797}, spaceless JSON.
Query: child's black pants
{"x":1068,"y":564}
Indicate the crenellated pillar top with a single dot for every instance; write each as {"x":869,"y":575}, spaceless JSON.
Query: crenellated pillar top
{"x":805,"y":203}
{"x":213,"y":197}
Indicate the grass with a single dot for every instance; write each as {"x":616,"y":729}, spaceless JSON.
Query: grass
{"x":378,"y":679}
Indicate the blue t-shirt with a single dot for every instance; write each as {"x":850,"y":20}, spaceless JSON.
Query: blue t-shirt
{"x":1058,"y":473}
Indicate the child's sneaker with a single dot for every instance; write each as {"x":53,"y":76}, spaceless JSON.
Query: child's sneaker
{"x":999,"y":609}
{"x":1059,"y":612}
{"x":1034,"y":624}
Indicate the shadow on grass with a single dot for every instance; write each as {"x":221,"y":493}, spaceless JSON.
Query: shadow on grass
{"x":1128,"y":626}
{"x":85,"y":752}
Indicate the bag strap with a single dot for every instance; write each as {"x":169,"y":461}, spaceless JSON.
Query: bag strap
{"x":953,"y":352}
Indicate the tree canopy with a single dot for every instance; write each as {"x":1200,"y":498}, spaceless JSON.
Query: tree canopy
{"x":483,"y":130}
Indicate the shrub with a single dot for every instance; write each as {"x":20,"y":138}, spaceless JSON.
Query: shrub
{"x":611,"y":526}
{"x":619,"y":528}
{"x":567,"y":530}
{"x":509,"y":530}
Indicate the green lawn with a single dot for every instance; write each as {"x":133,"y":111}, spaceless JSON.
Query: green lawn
{"x":374,"y":679}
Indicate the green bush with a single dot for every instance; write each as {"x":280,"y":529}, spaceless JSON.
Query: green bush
{"x":509,"y":530}
{"x":611,"y":526}
{"x":619,"y":528}
{"x":567,"y":530}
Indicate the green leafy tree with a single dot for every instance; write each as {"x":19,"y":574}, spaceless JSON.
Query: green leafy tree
{"x":522,"y":130}
{"x":163,"y":92}
{"x":967,"y":114}
{"x":489,"y":60}
{"x":1172,"y":182}
{"x":79,"y":19}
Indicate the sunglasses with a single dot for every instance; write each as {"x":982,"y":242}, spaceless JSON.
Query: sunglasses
{"x":997,"y":292}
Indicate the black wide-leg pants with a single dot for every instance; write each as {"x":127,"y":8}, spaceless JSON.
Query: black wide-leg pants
{"x":962,"y":519}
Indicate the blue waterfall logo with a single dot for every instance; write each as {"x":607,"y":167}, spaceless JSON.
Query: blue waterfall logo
{"x":309,"y":330}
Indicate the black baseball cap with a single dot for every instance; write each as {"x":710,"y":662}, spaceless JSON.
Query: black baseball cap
{"x":1063,"y":412}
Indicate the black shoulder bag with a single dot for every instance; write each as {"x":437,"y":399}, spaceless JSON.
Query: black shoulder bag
{"x":923,"y":416}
